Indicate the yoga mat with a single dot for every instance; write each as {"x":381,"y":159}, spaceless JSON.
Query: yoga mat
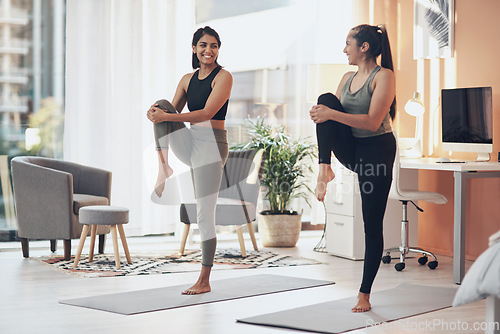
{"x":335,"y":316}
{"x":170,"y":297}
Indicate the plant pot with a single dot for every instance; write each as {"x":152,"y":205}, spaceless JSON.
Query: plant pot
{"x":281,"y":230}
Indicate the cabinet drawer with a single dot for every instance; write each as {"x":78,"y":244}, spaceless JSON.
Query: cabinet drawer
{"x":344,"y":236}
{"x":341,"y":195}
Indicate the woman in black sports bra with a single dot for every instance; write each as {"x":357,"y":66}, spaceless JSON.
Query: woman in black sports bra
{"x":204,"y":145}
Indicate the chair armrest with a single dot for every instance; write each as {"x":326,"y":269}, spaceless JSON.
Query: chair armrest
{"x":44,"y":200}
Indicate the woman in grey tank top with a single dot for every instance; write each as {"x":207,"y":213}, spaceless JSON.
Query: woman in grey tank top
{"x":357,"y":129}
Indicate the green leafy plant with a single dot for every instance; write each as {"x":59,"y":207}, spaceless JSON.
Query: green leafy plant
{"x":49,"y":119}
{"x":286,"y":163}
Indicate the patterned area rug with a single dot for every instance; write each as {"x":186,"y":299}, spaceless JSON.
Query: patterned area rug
{"x":104,"y":264}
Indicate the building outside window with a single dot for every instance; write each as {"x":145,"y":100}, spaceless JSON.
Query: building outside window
{"x":32,"y":48}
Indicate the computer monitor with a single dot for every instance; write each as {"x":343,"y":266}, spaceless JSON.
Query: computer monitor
{"x":467,"y":120}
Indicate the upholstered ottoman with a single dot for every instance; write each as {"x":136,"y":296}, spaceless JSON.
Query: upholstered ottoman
{"x":95,"y":215}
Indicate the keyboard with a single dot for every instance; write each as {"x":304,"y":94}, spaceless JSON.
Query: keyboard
{"x":452,"y":162}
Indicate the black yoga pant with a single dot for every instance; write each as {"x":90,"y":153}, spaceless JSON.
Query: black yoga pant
{"x":372,"y":158}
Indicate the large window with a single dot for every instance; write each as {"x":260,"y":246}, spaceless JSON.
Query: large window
{"x":208,"y":10}
{"x":122,"y":55}
{"x":278,"y":52}
{"x":31,"y":87}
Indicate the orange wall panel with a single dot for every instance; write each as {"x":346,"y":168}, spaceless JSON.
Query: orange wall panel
{"x":474,"y":64}
{"x":434,"y":232}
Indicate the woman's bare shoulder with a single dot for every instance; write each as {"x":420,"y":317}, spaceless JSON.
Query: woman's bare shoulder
{"x":385,"y":73}
{"x":223,"y":78}
{"x":186,"y":78}
{"x":384,"y":78}
{"x":347,"y":75}
{"x":224,"y":74}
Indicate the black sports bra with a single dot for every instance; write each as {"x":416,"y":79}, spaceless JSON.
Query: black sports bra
{"x":199,"y":90}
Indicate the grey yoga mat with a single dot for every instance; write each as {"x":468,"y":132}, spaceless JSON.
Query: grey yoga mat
{"x":134,"y":302}
{"x":335,"y":316}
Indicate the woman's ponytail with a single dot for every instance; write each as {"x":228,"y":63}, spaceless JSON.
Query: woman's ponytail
{"x":386,"y":60}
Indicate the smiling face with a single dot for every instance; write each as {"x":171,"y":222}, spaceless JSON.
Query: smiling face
{"x":206,"y":50}
{"x":352,"y":50}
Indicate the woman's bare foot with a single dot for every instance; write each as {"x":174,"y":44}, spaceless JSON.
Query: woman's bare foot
{"x":363,"y":303}
{"x":163,"y":175}
{"x":325,"y":175}
{"x":197,"y":288}
{"x":203,"y":283}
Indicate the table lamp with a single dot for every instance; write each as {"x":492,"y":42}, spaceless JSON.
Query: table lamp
{"x":411,"y":147}
{"x":415,"y":107}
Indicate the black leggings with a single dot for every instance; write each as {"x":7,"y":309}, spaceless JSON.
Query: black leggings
{"x":372,"y":158}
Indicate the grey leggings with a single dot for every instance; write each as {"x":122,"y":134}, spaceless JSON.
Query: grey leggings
{"x":205,"y":150}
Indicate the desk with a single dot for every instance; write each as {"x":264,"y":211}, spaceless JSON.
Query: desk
{"x":461,"y":172}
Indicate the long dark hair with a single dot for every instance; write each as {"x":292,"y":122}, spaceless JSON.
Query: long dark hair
{"x":377,"y":38}
{"x":196,"y":37}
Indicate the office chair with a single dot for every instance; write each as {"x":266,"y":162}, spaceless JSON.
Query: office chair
{"x":409,"y":196}
{"x":237,"y":201}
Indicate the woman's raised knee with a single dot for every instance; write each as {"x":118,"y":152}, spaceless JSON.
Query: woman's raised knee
{"x":166,"y":105}
{"x":329,"y":100}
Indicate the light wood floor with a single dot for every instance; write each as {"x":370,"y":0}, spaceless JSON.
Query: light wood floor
{"x":29,"y":294}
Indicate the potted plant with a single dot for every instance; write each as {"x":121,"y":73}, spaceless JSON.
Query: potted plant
{"x":286,"y":162}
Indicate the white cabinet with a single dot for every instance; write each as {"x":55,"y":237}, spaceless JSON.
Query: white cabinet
{"x":345,"y":231}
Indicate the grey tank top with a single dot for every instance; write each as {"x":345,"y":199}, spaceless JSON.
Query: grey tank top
{"x":359,"y":103}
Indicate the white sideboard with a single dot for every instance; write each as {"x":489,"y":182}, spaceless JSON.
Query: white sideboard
{"x":345,"y":231}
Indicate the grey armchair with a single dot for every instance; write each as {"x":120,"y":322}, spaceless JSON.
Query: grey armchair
{"x":49,"y":193}
{"x":238,"y":193}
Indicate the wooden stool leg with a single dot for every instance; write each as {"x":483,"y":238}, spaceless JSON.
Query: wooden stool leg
{"x":124,"y":243}
{"x":115,"y":246}
{"x":93,"y":233}
{"x":184,"y":238}
{"x":85,"y":231}
{"x":252,"y":235}
{"x":239,"y":232}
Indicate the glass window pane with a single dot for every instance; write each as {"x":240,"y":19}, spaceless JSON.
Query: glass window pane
{"x":31,"y":86}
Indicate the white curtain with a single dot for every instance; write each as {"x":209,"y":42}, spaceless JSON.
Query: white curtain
{"x":122,"y":56}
